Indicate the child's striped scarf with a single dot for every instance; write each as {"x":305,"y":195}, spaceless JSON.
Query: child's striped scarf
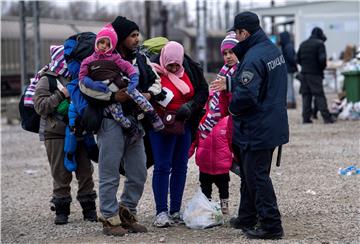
{"x":30,"y":90}
{"x":213,"y":114}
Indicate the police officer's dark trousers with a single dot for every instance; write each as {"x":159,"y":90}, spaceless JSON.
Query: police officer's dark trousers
{"x":258,"y":200}
{"x":311,"y":85}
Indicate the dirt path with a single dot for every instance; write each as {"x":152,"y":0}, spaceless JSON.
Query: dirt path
{"x":317,"y":205}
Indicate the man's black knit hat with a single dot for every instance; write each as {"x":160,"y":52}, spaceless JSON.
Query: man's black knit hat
{"x":123,"y":27}
{"x":246,"y":20}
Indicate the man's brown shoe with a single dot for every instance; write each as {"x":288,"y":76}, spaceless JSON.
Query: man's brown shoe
{"x":129,"y":221}
{"x":112,"y":226}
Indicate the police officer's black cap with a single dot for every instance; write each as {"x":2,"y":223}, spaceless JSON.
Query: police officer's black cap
{"x":246,"y":20}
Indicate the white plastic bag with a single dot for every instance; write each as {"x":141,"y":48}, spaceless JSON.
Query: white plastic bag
{"x":200,"y":213}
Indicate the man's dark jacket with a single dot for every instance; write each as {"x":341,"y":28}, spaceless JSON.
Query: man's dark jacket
{"x":312,"y":54}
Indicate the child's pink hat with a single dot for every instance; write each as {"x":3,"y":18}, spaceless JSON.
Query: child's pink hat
{"x":107,"y":32}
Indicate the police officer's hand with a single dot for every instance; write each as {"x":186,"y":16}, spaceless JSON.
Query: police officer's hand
{"x":121,"y":95}
{"x":219,"y":84}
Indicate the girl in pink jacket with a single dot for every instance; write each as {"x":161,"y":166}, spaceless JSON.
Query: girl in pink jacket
{"x":213,"y":154}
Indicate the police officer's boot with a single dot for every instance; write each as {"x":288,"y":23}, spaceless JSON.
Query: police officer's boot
{"x":236,"y":223}
{"x":261,"y":233}
{"x":62,"y":209}
{"x":88,"y":205}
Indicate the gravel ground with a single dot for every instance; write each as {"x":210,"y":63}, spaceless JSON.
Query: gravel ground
{"x":317,"y":205}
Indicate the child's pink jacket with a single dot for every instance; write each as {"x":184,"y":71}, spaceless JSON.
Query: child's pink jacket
{"x":213,"y":155}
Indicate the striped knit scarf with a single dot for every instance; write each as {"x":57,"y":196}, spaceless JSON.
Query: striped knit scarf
{"x":56,"y":65}
{"x":30,"y":90}
{"x":213,"y":113}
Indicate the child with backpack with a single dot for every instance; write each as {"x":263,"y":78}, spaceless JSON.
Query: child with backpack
{"x":213,"y":154}
{"x":50,"y":102}
{"x":105,"y":67}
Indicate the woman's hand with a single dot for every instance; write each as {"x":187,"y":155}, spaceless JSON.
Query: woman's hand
{"x":219,"y":84}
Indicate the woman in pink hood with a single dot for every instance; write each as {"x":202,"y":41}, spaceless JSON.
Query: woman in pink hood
{"x":105,"y":65}
{"x":170,"y":150}
{"x":213,"y":155}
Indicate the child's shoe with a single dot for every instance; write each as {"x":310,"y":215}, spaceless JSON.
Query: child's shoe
{"x":155,"y":120}
{"x":224,"y":203}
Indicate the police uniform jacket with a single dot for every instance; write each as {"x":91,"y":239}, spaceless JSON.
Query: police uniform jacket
{"x":259,"y":88}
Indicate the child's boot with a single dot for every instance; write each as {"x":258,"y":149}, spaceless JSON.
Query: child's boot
{"x":88,"y":205}
{"x":62,"y":209}
{"x":224,"y":203}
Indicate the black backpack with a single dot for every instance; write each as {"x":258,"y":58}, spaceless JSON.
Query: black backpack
{"x":30,"y":120}
{"x":82,"y":46}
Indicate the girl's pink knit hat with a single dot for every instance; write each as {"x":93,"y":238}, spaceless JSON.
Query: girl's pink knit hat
{"x":229,"y":42}
{"x":107,"y":32}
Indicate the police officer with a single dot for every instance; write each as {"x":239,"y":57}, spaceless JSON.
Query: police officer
{"x":260,"y":121}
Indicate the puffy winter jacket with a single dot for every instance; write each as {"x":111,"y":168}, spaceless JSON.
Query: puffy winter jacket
{"x":213,"y":155}
{"x":312,"y":54}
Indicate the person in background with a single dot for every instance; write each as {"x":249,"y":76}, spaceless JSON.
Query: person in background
{"x":312,"y":59}
{"x":288,"y":51}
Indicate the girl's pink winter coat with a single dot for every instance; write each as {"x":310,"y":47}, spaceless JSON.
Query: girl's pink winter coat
{"x":213,"y":155}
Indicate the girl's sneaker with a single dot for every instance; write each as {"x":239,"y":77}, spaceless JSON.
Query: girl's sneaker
{"x":176,"y":218}
{"x":162,"y":220}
